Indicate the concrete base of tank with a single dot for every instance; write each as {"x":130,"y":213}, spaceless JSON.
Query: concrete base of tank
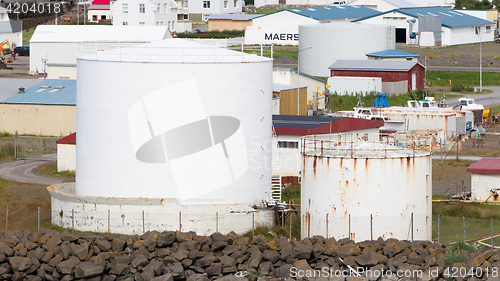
{"x":137,"y":215}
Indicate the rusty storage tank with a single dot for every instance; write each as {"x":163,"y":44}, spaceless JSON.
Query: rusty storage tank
{"x":365,"y":190}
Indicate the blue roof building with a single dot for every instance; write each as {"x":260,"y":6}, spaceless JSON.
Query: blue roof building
{"x":392,"y":54}
{"x":47,"y":92}
{"x":442,"y":26}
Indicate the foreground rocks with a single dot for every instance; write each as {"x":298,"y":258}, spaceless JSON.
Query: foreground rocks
{"x":168,"y":256}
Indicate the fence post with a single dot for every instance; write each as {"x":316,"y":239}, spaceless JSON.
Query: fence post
{"x":108,"y":221}
{"x":7,"y":220}
{"x":291,"y":220}
{"x":38,"y":218}
{"x":216,"y":221}
{"x":73,"y":220}
{"x":349,"y":234}
{"x":371,"y":227}
{"x":326,"y":226}
{"x":439,"y":230}
{"x":411,"y":226}
{"x":41,"y":146}
{"x":15,"y":147}
{"x":180,"y":221}
{"x":463,"y":219}
{"x":143,"y":228}
{"x":492,"y":235}
{"x":253,"y":226}
{"x":309,"y":225}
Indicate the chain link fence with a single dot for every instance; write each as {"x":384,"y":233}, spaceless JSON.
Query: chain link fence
{"x":25,"y":147}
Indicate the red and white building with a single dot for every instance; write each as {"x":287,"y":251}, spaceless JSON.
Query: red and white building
{"x":485,"y":179}
{"x":66,"y":153}
{"x":398,"y":77}
{"x":99,"y":10}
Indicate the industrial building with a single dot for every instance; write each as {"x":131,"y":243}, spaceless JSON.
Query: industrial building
{"x":11,"y":30}
{"x":434,"y":26}
{"x":230,"y":21}
{"x":54,"y":48}
{"x":485,"y":179}
{"x":362,"y":190}
{"x":282,"y":27}
{"x":66,"y":153}
{"x":392,"y":54}
{"x":314,"y":86}
{"x":398,"y":77}
{"x":287,"y":161}
{"x":46,"y":109}
{"x":140,"y":152}
{"x":200,"y":10}
{"x":285,"y":101}
{"x":383,"y":5}
{"x":350,"y":41}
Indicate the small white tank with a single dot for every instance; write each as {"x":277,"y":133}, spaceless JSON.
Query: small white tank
{"x":362,"y":190}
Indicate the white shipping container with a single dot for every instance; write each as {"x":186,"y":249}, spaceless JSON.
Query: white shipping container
{"x":354,"y":85}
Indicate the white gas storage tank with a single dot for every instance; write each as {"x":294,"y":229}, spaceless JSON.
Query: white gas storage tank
{"x":320,"y":45}
{"x":365,"y":190}
{"x":174,"y":119}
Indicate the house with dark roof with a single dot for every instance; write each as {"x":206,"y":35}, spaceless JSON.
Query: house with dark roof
{"x":392,"y":54}
{"x":398,"y":77}
{"x":485,"y":179}
{"x":288,"y":129}
{"x":444,"y":27}
{"x":282,"y":27}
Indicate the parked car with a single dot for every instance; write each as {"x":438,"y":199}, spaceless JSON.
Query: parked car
{"x":338,"y":3}
{"x":22,"y":50}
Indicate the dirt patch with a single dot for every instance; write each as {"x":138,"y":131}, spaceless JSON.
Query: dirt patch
{"x":285,"y":60}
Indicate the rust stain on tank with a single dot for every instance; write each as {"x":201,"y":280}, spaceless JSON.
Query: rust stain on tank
{"x":309,"y":204}
{"x":328,"y":163}
{"x":341,"y":162}
{"x":314,"y":164}
{"x":366,"y":164}
{"x":161,"y":201}
{"x":352,"y":236}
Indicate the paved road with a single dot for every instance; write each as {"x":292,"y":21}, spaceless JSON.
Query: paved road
{"x":474,"y":69}
{"x":23,"y":171}
{"x":484,"y":99}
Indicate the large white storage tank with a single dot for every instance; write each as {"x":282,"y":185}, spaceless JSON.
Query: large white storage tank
{"x":175,"y":120}
{"x":332,"y":41}
{"x":362,"y":190}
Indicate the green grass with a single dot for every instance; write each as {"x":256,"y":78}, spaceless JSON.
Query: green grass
{"x":267,"y":11}
{"x":278,"y":231}
{"x":50,"y":169}
{"x":467,"y":78}
{"x":27,"y":34}
{"x":455,"y":254}
{"x":291,"y":192}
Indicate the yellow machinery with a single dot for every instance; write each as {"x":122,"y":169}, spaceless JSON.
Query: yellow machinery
{"x":12,"y":56}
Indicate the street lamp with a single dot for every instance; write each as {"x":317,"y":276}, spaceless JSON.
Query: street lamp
{"x":481,"y":61}
{"x":298,"y":77}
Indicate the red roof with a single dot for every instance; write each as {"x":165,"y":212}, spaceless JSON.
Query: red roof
{"x":100,"y":2}
{"x":334,"y":125}
{"x":71,"y":139}
{"x":485,"y":166}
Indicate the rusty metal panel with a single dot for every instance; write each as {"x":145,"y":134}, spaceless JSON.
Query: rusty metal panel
{"x":460,"y":128}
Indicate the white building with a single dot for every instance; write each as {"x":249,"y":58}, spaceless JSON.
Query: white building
{"x":145,"y":13}
{"x":290,"y":77}
{"x":202,"y":9}
{"x":54,"y":48}
{"x":456,"y":27}
{"x":282,"y":27}
{"x":11,"y":30}
{"x":99,"y":10}
{"x":485,"y":179}
{"x":66,"y":153}
{"x":383,"y":5}
{"x":289,"y":129}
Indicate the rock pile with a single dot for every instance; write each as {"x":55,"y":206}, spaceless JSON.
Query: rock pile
{"x":49,"y":255}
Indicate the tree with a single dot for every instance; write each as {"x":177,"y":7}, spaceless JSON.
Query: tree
{"x":475,"y":5}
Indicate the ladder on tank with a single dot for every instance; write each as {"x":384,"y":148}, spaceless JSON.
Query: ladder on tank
{"x":276,"y":187}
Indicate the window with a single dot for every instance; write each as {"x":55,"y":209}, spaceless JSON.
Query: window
{"x":142,"y":23}
{"x":186,"y":16}
{"x":142,"y":8}
{"x":103,"y":17}
{"x":225,"y":4}
{"x":125,"y":23}
{"x":157,"y":23}
{"x":94,"y":17}
{"x":236,"y":3}
{"x":161,"y":23}
{"x":181,"y":5}
{"x":477,"y":29}
{"x":158,"y":9}
{"x":165,"y":8}
{"x":206,"y":4}
{"x":125,"y":8}
{"x":186,"y":4}
{"x":488,"y":28}
{"x":288,"y":144}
